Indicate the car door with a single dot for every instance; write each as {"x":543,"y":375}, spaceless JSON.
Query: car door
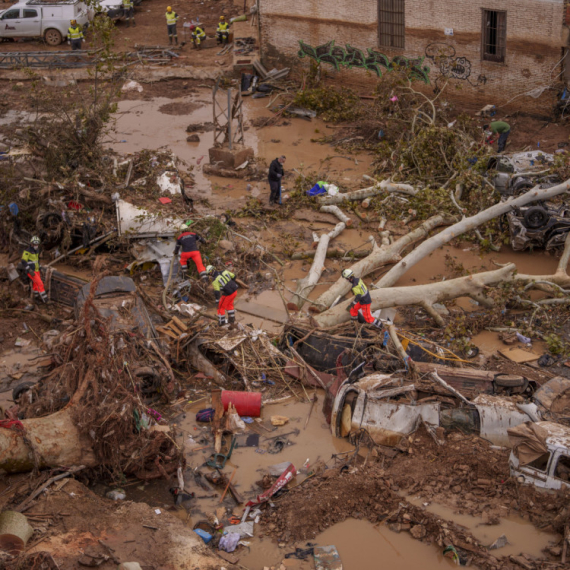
{"x":10,"y":23}
{"x":31,"y":24}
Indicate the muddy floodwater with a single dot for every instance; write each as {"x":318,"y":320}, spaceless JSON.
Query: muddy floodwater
{"x":522,"y":536}
{"x":147,"y":124}
{"x":361,"y":544}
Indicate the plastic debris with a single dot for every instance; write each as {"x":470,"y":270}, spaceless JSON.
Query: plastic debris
{"x":116,"y":495}
{"x":229,"y":541}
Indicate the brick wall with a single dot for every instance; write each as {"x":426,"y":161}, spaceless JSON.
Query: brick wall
{"x":535,"y":36}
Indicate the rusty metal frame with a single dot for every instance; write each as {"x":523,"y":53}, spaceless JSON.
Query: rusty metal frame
{"x":228,"y":117}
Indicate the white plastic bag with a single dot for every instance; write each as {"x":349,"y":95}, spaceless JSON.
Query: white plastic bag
{"x":332,"y":190}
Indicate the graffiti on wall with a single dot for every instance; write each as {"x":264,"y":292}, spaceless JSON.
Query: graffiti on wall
{"x":451,"y":67}
{"x":372,"y":60}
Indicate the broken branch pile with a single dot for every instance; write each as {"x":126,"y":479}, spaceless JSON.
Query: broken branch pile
{"x":99,"y":391}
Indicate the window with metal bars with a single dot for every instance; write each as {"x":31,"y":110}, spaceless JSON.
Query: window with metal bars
{"x":494,"y":36}
{"x":391,"y":23}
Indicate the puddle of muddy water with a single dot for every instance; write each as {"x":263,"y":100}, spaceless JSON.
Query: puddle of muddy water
{"x":315,"y":443}
{"x":521,"y":534}
{"x":141,"y":124}
{"x":361,"y":546}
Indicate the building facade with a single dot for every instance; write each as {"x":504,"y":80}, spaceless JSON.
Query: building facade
{"x":504,"y":52}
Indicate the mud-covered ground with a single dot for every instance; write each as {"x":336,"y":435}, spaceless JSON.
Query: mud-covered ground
{"x":465,"y":474}
{"x":393,"y":489}
{"x":82,"y":529}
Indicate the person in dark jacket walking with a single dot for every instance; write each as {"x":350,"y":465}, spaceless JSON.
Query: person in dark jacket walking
{"x":188,"y":242}
{"x":275,"y":175}
{"x":225,"y":290}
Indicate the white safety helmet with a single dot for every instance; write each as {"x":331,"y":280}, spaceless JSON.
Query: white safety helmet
{"x":347,"y":273}
{"x":184,"y":227}
{"x":35,"y":240}
{"x":209,"y":269}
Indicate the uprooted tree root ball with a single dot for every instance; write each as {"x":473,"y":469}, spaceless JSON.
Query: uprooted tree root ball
{"x":102,"y":380}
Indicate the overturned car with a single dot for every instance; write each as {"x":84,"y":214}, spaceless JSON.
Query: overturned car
{"x":545,"y":225}
{"x":391,"y":407}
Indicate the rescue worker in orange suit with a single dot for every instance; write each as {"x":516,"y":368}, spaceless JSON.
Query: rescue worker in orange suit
{"x":222,"y":33}
{"x":30,"y":264}
{"x":187,"y":241}
{"x":225,"y":290}
{"x":362,"y":299}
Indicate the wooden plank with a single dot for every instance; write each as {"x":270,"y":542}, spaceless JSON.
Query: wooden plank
{"x":171,"y":326}
{"x":167,"y":332}
{"x":467,"y":373}
{"x":179,"y":324}
{"x":518,"y":355}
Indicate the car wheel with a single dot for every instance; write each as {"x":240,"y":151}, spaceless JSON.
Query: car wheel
{"x":510,"y":381}
{"x":521,"y":186}
{"x":535,"y":218}
{"x":20,"y":389}
{"x":53,"y":37}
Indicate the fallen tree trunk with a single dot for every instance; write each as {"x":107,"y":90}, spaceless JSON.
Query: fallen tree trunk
{"x":378,"y":257}
{"x":467,"y":225}
{"x":378,"y":188}
{"x":308,"y":283}
{"x":56,"y":440}
{"x":336,"y":211}
{"x":336,"y":253}
{"x":425,"y":295}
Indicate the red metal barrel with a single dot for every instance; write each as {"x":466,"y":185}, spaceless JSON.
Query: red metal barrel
{"x":246,"y":403}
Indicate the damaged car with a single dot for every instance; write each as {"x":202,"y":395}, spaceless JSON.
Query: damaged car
{"x":116,"y":299}
{"x":514,"y":174}
{"x":390,"y":407}
{"x":544,"y":225}
{"x":541,"y":454}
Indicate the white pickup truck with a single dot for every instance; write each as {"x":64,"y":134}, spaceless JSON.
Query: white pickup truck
{"x":48,"y":20}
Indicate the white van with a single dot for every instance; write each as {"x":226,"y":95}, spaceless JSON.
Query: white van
{"x":48,"y":20}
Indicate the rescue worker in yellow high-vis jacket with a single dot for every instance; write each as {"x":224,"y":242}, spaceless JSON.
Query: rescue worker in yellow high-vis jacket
{"x":198,"y":35}
{"x":225,"y":290}
{"x":171,"y":19}
{"x":129,"y":12}
{"x":362,"y":300}
{"x":223,"y":32}
{"x":75,"y":35}
{"x":30,"y":265}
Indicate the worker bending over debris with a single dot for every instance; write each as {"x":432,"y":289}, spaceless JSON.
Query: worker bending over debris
{"x":75,"y":35}
{"x":171,"y":19}
{"x":362,"y":299}
{"x":225,"y":290}
{"x":30,"y":264}
{"x":223,"y":33}
{"x":188,"y":242}
{"x":129,"y":12}
{"x":198,"y":35}
{"x":500,"y":128}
